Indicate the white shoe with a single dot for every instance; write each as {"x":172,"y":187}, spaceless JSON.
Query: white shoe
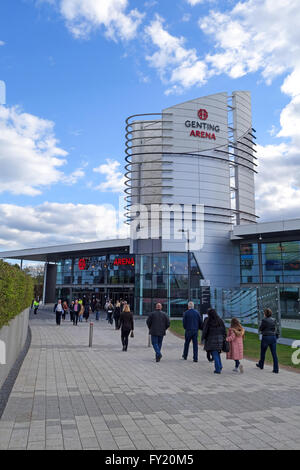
{"x":235,"y":369}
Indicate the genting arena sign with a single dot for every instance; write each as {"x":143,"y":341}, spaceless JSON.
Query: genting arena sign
{"x":208,"y":131}
{"x":94,"y":263}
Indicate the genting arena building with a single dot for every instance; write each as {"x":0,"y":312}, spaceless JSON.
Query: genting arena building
{"x":194,"y":231}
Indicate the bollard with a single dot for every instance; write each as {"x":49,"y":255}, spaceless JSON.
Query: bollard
{"x":91,"y":334}
{"x":149,"y":341}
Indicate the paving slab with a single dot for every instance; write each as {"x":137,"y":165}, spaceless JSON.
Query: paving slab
{"x":70,"y":396}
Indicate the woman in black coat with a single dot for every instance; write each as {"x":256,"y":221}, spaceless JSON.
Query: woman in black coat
{"x":117,"y":314}
{"x":87,"y":309}
{"x":213,"y":336}
{"x":127,"y":325}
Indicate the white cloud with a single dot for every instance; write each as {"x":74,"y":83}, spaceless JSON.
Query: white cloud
{"x":264,"y":36}
{"x":177,"y":65}
{"x":2,"y":43}
{"x":255,"y":35}
{"x":53,"y":223}
{"x":114,"y":179}
{"x":195,"y":2}
{"x":30,"y":157}
{"x":84,"y":16}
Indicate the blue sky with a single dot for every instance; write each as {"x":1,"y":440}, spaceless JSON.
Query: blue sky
{"x":75,"y":70}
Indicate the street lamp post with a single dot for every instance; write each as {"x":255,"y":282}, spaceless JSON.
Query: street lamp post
{"x":189,"y":261}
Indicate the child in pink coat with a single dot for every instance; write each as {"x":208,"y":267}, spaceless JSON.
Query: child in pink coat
{"x":235,"y":338}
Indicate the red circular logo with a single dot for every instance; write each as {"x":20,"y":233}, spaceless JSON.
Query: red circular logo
{"x":202,"y":114}
{"x":82,"y":264}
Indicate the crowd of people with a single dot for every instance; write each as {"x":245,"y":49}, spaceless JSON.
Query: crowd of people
{"x":81,"y":309}
{"x":215,"y":338}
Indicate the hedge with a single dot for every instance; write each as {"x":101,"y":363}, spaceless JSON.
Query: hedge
{"x":16,"y":292}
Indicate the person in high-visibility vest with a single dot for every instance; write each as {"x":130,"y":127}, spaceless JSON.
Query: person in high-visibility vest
{"x":36,"y":305}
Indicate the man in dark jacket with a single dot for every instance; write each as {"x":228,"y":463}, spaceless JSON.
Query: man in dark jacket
{"x":158,"y":322}
{"x":192,"y":323}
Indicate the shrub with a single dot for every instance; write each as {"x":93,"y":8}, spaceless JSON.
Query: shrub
{"x":16,"y":292}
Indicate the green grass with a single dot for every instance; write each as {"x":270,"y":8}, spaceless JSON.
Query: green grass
{"x":251,"y":347}
{"x":289,"y":333}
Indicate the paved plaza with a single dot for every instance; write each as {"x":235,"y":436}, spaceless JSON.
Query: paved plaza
{"x":69,"y":396}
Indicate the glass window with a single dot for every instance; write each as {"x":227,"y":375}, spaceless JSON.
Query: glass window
{"x":178,"y":263}
{"x":249,"y":262}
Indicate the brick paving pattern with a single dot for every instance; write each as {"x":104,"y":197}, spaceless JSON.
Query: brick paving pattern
{"x":69,"y":396}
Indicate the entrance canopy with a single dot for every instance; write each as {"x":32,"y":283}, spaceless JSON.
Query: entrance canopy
{"x":54,"y":253}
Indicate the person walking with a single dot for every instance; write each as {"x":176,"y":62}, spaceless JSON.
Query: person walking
{"x":58,"y":309}
{"x":87,"y":310}
{"x":110,"y":311}
{"x":127,"y":326}
{"x":97,"y":309}
{"x":270,"y":333}
{"x":214,"y":335}
{"x":117,"y":314}
{"x":235,"y":337}
{"x":71,"y":309}
{"x":76,"y":312}
{"x":106,"y":307}
{"x":81,"y":312}
{"x":158,"y":322}
{"x":65,"y":310}
{"x":192,"y":323}
{"x":36,"y":305}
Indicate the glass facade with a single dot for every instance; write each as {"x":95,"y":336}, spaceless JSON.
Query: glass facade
{"x":105,"y":276}
{"x":164,"y":278}
{"x":96,"y":270}
{"x":280,"y":263}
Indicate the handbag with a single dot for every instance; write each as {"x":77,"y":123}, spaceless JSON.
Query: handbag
{"x":226,"y":346}
{"x":132,"y":334}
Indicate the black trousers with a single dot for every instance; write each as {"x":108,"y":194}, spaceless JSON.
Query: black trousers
{"x":124,"y":338}
{"x":75,"y":318}
{"x":58,"y":318}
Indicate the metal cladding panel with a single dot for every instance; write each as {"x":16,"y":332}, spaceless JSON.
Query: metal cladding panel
{"x":205,"y":111}
{"x":242,"y":124}
{"x":189,"y":173}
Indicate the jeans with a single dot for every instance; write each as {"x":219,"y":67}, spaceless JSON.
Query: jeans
{"x":218,"y":363}
{"x":124,"y":338}
{"x":80,"y":318}
{"x":268,"y":341}
{"x":157,"y":344}
{"x":237,"y":364}
{"x":97,"y":315}
{"x":191,"y":335}
{"x":75,"y":318}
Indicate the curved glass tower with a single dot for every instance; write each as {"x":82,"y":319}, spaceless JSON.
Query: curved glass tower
{"x":192,"y":161}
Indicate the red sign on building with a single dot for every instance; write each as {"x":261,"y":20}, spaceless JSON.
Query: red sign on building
{"x":202,"y":114}
{"x":82,"y":264}
{"x":124,"y":261}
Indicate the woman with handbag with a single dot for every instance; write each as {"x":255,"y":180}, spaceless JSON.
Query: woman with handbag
{"x":235,"y":338}
{"x":214,"y":337}
{"x":127,"y":326}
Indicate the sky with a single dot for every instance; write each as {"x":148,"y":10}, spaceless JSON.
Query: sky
{"x":74,"y":70}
